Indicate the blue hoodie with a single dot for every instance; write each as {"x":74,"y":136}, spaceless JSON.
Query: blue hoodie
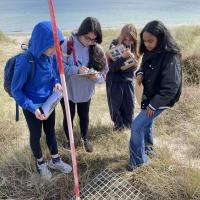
{"x":30,"y":94}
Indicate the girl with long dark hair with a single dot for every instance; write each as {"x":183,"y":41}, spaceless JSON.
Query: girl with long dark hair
{"x":82,"y":54}
{"x":160,"y":73}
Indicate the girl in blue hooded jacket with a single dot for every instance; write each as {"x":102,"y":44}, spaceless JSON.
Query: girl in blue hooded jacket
{"x":30,"y":95}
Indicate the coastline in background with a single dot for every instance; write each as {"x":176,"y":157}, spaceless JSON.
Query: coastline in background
{"x":21,"y":15}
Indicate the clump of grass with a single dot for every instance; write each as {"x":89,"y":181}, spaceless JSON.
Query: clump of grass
{"x":187,"y":38}
{"x":164,"y":178}
{"x":179,"y":127}
{"x":18,"y":182}
{"x":108,"y":36}
{"x":4,"y":38}
{"x":191,"y":70}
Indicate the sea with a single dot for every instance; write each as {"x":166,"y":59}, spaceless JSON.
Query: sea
{"x":22,"y":15}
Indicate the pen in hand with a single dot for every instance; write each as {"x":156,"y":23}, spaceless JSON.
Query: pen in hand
{"x":79,"y":62}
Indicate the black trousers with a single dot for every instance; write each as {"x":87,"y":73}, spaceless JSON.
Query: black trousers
{"x":120,"y":96}
{"x":35,"y":128}
{"x":83,"y":113}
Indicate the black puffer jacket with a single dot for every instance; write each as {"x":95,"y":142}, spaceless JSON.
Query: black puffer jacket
{"x":162,"y":79}
{"x":115,"y":73}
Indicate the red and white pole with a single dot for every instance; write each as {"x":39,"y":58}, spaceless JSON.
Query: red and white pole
{"x":65,"y":94}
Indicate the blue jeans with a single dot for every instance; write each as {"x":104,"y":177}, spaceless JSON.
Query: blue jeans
{"x":141,"y":134}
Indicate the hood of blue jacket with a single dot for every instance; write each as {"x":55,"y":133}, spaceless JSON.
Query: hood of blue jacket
{"x":42,"y":38}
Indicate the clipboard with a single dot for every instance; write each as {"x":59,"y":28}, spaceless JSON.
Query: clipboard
{"x":85,"y":74}
{"x":49,"y":105}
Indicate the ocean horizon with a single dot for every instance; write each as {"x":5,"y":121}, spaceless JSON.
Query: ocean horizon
{"x":22,"y":15}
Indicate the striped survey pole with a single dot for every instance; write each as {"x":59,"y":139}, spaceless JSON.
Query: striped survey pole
{"x":63,"y":82}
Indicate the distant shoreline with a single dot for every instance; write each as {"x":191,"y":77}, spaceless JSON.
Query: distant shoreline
{"x":27,"y":33}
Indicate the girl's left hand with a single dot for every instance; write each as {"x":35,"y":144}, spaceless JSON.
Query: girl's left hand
{"x":57,"y":86}
{"x":149,"y":112}
{"x":126,"y":53}
{"x":139,"y":79}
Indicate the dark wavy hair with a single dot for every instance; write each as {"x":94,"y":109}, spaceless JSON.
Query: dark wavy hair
{"x":90,"y":24}
{"x":96,"y":55}
{"x":165,"y":41}
{"x":97,"y":58}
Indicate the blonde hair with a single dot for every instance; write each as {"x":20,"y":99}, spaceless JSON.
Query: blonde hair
{"x":130,"y":31}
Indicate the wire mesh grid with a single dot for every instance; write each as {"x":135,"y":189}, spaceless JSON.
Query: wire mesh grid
{"x":110,"y":186}
{"x":196,"y":195}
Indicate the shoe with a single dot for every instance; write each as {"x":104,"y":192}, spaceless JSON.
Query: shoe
{"x":88,"y":147}
{"x":130,"y":168}
{"x":44,"y":171}
{"x":58,"y":164}
{"x":150,"y":151}
{"x":133,"y":167}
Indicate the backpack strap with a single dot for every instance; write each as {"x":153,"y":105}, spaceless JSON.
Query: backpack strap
{"x":17,"y":113}
{"x":24,"y":47}
{"x":71,"y":49}
{"x":31,"y":60}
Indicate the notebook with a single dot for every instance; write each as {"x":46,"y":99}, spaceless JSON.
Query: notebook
{"x":50,"y":104}
{"x":117,"y":51}
{"x":90,"y":72}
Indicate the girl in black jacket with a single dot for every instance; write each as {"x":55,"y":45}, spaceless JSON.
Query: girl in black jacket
{"x":119,"y":82}
{"x":160,"y":74}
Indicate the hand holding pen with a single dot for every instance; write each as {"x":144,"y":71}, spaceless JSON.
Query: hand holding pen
{"x":85,"y":70}
{"x":82,"y":69}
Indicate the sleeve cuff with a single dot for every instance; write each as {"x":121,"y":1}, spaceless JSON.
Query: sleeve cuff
{"x":152,"y":108}
{"x":138,"y":73}
{"x":56,"y":81}
{"x":32,"y":108}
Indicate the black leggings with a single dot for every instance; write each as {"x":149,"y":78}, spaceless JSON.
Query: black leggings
{"x":83,"y":113}
{"x":35,"y":128}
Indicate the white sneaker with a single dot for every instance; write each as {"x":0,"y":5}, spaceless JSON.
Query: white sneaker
{"x":60,"y":165}
{"x":44,"y":171}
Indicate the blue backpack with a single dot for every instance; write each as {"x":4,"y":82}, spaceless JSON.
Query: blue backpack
{"x":9,"y":72}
